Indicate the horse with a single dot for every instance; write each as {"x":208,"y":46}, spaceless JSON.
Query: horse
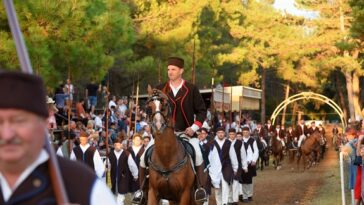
{"x":263,"y":152}
{"x":311,"y":150}
{"x":277,"y":151}
{"x":171,"y":174}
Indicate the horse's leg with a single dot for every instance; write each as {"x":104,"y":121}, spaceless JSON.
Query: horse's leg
{"x":186,"y":198}
{"x":298,"y":163}
{"x":152,"y":197}
{"x":262,"y":161}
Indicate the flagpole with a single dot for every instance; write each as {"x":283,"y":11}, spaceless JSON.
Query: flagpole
{"x":69,"y":111}
{"x":136,"y":105}
{"x":26,"y":67}
{"x":107,"y":123}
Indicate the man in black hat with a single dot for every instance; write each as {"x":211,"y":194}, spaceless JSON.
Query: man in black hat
{"x":189,"y":112}
{"x":24,"y":162}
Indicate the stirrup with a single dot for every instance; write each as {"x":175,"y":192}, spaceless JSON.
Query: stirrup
{"x":138,"y":198}
{"x":200,"y":195}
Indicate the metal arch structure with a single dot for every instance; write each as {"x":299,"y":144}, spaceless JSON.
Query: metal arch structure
{"x":307,"y":96}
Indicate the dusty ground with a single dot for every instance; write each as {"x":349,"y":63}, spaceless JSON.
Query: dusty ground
{"x":289,"y":186}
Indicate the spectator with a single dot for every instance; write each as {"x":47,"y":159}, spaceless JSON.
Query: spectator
{"x":91,"y":95}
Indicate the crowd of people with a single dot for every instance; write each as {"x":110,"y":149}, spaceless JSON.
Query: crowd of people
{"x":245,"y":138}
{"x":114,"y":138}
{"x":351,"y":144}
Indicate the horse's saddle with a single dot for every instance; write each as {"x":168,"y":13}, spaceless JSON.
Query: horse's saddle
{"x":184,"y":141}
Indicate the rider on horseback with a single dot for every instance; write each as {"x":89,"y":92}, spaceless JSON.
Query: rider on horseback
{"x":280,"y":134}
{"x":189,"y":112}
{"x":302,"y":132}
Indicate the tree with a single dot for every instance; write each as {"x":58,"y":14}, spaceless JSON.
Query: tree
{"x":82,"y":37}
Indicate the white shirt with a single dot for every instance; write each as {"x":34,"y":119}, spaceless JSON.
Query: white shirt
{"x":60,"y":149}
{"x":244,"y":162}
{"x":176,"y":89}
{"x":100,"y":193}
{"x":112,"y":103}
{"x":98,"y":123}
{"x":122,"y":109}
{"x":136,"y":149}
{"x":98,"y":164}
{"x":250,"y":155}
{"x":132,"y":166}
{"x":215,"y":169}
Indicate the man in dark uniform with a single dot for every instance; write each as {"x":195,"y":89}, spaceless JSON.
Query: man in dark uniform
{"x":136,"y":150}
{"x":252,"y":153}
{"x":313,"y":128}
{"x":189,"y":112}
{"x":123,"y":170}
{"x":224,"y":166}
{"x":24,"y":162}
{"x":89,"y":155}
{"x":242,"y":165}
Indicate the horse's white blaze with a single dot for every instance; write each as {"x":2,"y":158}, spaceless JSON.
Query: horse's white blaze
{"x":157,"y":117}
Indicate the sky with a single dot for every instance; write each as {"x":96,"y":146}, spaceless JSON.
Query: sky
{"x":289,"y":7}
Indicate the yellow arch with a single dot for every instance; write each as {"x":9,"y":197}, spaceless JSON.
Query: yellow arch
{"x":309,"y":95}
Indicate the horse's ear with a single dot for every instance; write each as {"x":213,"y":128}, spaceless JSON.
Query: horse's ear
{"x":150,"y":90}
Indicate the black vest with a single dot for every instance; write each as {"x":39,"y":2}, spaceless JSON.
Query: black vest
{"x":248,"y":144}
{"x":120,"y":172}
{"x":237,"y":147}
{"x":136,"y":156}
{"x":87,"y":157}
{"x":227,"y":169}
{"x":37,"y":188}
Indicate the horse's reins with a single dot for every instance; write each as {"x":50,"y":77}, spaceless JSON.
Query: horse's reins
{"x":167,"y":172}
{"x":162,"y":171}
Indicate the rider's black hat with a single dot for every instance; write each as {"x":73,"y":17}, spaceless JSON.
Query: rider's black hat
{"x":176,"y":61}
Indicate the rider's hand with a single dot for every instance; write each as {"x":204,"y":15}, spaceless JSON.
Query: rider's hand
{"x":189,"y":131}
{"x":253,"y":163}
{"x":245,"y":170}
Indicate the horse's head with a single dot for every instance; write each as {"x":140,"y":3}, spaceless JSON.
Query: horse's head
{"x":318,"y":137}
{"x":158,"y":110}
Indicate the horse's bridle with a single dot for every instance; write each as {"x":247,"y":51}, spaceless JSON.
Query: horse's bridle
{"x":157,"y":97}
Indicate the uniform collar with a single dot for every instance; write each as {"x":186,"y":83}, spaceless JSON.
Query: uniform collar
{"x":7,"y":191}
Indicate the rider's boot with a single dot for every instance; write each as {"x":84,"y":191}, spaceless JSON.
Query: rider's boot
{"x":200,"y":193}
{"x":139,"y":196}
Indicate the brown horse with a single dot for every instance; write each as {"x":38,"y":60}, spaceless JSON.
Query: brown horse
{"x":311,"y":150}
{"x":277,"y":151}
{"x":171,"y":174}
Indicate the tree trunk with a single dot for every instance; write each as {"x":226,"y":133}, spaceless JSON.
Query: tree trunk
{"x":262,"y":107}
{"x":285,"y":108}
{"x":349,"y":88}
{"x":341,"y":96}
{"x":356,"y":93}
{"x":294,"y":110}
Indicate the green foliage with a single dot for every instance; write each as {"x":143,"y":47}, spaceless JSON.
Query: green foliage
{"x":81,"y":37}
{"x":357,"y":27}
